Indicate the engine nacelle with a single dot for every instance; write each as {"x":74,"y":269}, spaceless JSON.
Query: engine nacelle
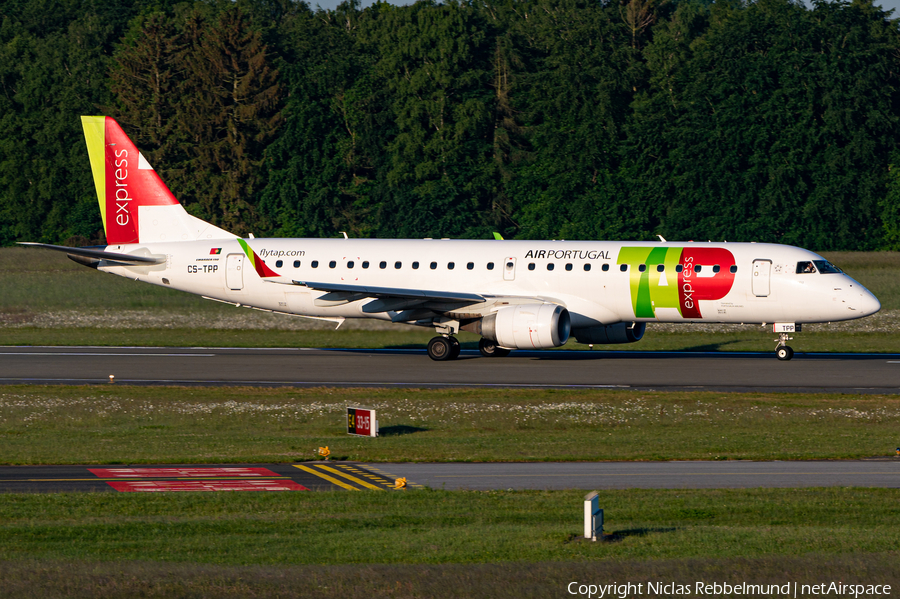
{"x":622,"y":332}
{"x":527,"y":326}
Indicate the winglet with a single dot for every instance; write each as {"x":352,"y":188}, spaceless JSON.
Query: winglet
{"x":498,"y":236}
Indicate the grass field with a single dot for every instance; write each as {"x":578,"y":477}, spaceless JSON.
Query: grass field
{"x":124,"y":580}
{"x":478,"y":544}
{"x":46,"y":299}
{"x":118,"y":424}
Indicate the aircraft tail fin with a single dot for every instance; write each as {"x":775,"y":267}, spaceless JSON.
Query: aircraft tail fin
{"x":135,"y":204}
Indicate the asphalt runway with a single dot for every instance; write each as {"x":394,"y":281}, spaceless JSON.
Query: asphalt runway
{"x":722,"y":371}
{"x":349,"y":476}
{"x":650,"y":475}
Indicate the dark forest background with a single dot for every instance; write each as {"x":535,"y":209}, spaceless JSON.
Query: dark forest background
{"x":572,"y":119}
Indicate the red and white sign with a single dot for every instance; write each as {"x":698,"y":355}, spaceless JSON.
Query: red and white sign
{"x":156,"y":486}
{"x":179,"y":472}
{"x":362,"y":422}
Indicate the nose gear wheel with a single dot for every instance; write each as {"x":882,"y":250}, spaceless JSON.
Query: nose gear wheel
{"x":783,"y":351}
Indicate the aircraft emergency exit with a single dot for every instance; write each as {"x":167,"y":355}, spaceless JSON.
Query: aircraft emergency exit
{"x":514,"y":294}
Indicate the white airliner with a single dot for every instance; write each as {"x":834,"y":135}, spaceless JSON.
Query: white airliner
{"x":515,"y":294}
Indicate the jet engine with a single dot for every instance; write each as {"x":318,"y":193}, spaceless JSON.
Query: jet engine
{"x":527,"y":326}
{"x":622,"y":332}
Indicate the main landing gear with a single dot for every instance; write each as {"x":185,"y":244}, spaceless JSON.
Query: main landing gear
{"x":489,"y":349}
{"x":443,"y":348}
{"x":783,"y":351}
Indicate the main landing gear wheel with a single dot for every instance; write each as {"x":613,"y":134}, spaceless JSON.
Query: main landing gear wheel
{"x":489,"y":349}
{"x":443,"y":348}
{"x":784,"y":353}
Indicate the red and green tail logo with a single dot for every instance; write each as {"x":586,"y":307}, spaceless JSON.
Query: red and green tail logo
{"x":258,"y":265}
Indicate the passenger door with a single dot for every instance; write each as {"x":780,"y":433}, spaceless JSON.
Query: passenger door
{"x":762,"y":270}
{"x":234,"y":272}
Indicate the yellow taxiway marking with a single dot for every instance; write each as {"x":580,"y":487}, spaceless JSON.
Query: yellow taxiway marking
{"x":390,"y":476}
{"x":330,"y":479}
{"x":358,"y":481}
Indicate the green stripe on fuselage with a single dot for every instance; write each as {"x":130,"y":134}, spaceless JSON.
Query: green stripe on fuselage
{"x":651,"y":289}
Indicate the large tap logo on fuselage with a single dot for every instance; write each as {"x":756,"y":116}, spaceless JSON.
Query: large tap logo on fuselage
{"x":688,"y":275}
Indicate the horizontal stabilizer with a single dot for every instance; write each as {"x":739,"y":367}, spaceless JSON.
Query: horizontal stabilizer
{"x":120,"y":259}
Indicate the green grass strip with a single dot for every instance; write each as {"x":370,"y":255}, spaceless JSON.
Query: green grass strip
{"x":108,"y":424}
{"x":435,"y":527}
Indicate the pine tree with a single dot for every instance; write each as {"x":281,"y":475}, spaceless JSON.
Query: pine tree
{"x":230,"y":109}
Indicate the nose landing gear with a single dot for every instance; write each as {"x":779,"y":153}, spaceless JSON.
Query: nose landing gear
{"x":783,"y":351}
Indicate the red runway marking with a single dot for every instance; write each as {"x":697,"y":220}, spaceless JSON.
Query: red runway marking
{"x":178,"y":472}
{"x":151,"y":486}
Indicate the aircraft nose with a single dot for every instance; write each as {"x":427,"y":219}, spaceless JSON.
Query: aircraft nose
{"x":867,"y":303}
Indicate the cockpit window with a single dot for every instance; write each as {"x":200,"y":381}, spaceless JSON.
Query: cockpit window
{"x":826,"y":268}
{"x":805,"y":268}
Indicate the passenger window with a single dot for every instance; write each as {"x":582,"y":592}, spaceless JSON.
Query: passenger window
{"x":490,"y":266}
{"x":550,"y":266}
{"x":531,"y":266}
{"x":315,"y":264}
{"x":716,"y":268}
{"x":660,"y":267}
{"x":296,"y":264}
{"x":470,"y":265}
{"x":642,"y":268}
{"x":332,"y":264}
{"x":679,"y":268}
{"x":415,"y":265}
{"x":698,"y":268}
{"x":382,"y":264}
{"x":587,"y":267}
{"x":450,"y":265}
{"x":569,"y":266}
{"x":397,"y":265}
{"x":605,"y":267}
{"x":733,"y":269}
{"x":805,"y":268}
{"x":366,"y":264}
{"x":433,"y":265}
{"x":350,"y":264}
{"x":624,"y":268}
{"x":279,"y":264}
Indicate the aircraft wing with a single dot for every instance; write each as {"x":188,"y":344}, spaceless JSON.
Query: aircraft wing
{"x":94,"y":254}
{"x":387,"y":299}
{"x":394,"y":292}
{"x":410,"y":304}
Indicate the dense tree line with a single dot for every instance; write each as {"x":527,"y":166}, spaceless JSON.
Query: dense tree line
{"x":574,"y":119}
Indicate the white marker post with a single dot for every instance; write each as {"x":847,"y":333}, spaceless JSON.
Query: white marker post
{"x":593,"y":516}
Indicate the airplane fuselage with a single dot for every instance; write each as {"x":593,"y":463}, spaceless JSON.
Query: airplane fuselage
{"x":598,"y":282}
